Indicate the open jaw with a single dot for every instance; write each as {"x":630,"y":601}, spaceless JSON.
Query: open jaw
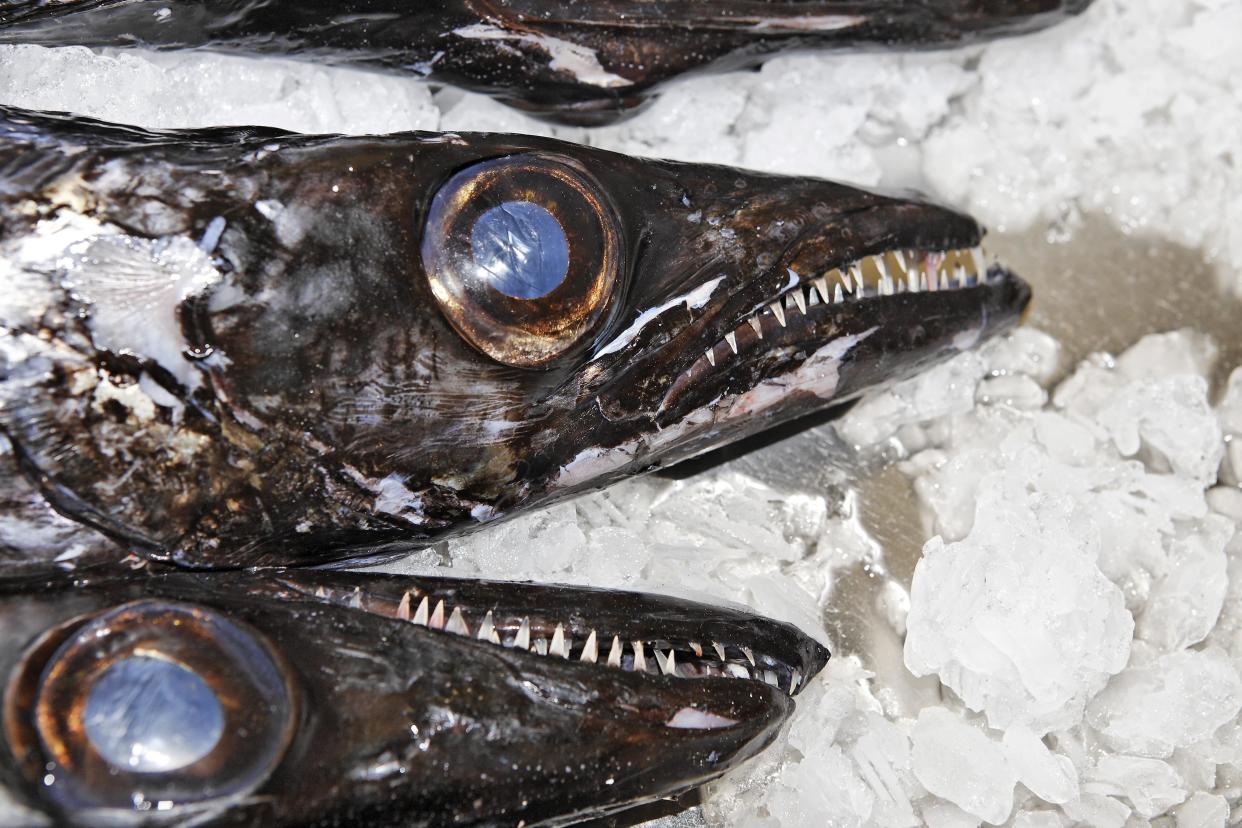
{"x":645,"y":635}
{"x":313,"y":697}
{"x":832,"y":328}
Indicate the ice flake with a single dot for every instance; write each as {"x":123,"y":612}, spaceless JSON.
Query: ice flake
{"x":957,"y":762}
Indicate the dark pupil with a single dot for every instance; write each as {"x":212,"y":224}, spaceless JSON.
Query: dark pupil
{"x":520,"y":249}
{"x":148,"y":715}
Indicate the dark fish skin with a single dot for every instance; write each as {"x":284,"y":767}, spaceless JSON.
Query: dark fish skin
{"x":581,"y":61}
{"x":337,"y":711}
{"x":242,"y":347}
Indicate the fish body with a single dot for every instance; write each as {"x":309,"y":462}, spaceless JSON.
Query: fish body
{"x":589,"y":61}
{"x":315,"y":698}
{"x":238,"y":347}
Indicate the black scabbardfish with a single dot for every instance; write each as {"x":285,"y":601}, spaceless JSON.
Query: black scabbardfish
{"x":236,"y":347}
{"x":585,"y":61}
{"x":327,"y":699}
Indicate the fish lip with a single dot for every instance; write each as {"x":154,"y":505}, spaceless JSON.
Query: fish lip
{"x":775,"y":656}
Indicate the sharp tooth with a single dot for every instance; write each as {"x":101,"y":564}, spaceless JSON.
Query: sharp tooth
{"x":437,"y":617}
{"x":697,"y":648}
{"x":799,"y":299}
{"x":880,"y":265}
{"x":901,"y":260}
{"x":754,"y":323}
{"x":821,"y":285}
{"x":494,"y":637}
{"x":886,"y":285}
{"x":541,"y":646}
{"x":719,"y":648}
{"x":668,"y":663}
{"x":943,"y":281}
{"x":420,"y":614}
{"x":976,"y":258}
{"x":912,"y":285}
{"x":922,"y":277}
{"x":857,"y":275}
{"x":355,"y":598}
{"x":737,"y":670}
{"x":522,"y":641}
{"x":640,"y":660}
{"x":794,"y":681}
{"x":750,"y":655}
{"x":837,"y":295}
{"x":456,"y":623}
{"x":731,"y":338}
{"x":320,"y":592}
{"x":614,"y":654}
{"x":710,"y":353}
{"x":812,"y":295}
{"x":770,"y":678}
{"x":559,"y":647}
{"x":403,"y":609}
{"x":779,"y":312}
{"x":590,"y":650}
{"x":488,"y":628}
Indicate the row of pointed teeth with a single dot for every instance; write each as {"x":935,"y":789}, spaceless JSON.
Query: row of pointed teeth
{"x":881,"y":274}
{"x":635,"y":656}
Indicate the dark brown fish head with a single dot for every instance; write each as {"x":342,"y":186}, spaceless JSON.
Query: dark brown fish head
{"x":583,"y":62}
{"x":316,"y":698}
{"x":234,"y":348}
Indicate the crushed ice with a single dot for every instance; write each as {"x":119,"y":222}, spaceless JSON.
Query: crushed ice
{"x":1073,"y":629}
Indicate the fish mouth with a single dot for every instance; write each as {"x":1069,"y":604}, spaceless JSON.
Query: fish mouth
{"x":865,"y":298}
{"x":599,"y":635}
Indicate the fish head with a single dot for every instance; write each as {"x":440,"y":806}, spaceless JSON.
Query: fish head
{"x":261,"y":348}
{"x":313,"y":698}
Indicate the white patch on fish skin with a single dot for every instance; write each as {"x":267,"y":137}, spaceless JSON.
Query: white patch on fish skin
{"x":580,"y":62}
{"x":393,"y":498}
{"x":809,"y":23}
{"x":693,"y":300}
{"x":687,"y":718}
{"x":965,"y":340}
{"x":26,"y":261}
{"x":133,"y":288}
{"x":818,"y":374}
{"x":130,"y":395}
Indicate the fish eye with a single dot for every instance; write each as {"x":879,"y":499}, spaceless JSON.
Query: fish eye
{"x":150,"y":705}
{"x":523,"y":254}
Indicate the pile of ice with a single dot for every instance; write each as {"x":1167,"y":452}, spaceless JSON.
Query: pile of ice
{"x":1129,"y":111}
{"x":1073,"y":602}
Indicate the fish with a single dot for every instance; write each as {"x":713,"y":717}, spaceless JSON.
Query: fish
{"x":587,"y":63}
{"x":244,"y":347}
{"x":311,"y":698}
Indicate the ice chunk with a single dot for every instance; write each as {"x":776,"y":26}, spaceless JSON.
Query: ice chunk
{"x":1017,"y":618}
{"x":948,"y":388}
{"x":1176,"y":353}
{"x":193,"y":89}
{"x":956,"y":761}
{"x":1175,"y":701}
{"x":1098,"y":811}
{"x":1152,"y":786}
{"x":1203,"y":810}
{"x":1185,"y":603}
{"x":1051,"y":777}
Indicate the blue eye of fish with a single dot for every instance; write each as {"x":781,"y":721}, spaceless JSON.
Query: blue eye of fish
{"x":520,"y":249}
{"x":149,"y":715}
